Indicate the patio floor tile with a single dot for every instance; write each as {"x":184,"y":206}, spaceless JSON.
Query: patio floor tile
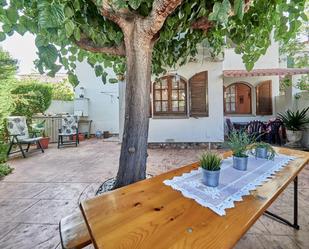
{"x":47,"y":187}
{"x":249,"y":241}
{"x":34,"y":236}
{"x":7,"y":227}
{"x":47,"y":212}
{"x":10,"y":208}
{"x":20,"y":189}
{"x":62,"y":191}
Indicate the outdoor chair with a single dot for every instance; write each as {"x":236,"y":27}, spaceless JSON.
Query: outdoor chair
{"x":68,"y":131}
{"x":275,"y":132}
{"x":256,"y":129}
{"x":230,"y":126}
{"x":19,"y":135}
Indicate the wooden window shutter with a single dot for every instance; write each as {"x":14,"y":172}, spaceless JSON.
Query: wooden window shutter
{"x":198,"y":85}
{"x":264,"y":105}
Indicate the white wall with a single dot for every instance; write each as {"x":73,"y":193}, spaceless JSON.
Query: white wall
{"x":269,"y":60}
{"x":103,"y":99}
{"x":60,"y":107}
{"x":204,"y":129}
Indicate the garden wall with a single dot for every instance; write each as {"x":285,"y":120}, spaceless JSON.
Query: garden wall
{"x":60,"y":107}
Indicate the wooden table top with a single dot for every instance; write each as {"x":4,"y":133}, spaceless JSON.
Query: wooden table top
{"x":149,"y":214}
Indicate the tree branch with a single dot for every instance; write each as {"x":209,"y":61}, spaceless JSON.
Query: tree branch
{"x":161,"y":9}
{"x":118,"y":16}
{"x":89,"y":45}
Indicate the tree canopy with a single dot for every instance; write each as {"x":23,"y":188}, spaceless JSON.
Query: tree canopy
{"x":295,"y":53}
{"x":73,"y":30}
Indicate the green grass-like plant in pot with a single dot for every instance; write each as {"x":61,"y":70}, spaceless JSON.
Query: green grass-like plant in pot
{"x":262,"y":150}
{"x":238,"y":143}
{"x":210,"y":163}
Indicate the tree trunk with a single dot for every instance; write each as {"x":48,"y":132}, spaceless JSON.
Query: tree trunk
{"x":133,"y":157}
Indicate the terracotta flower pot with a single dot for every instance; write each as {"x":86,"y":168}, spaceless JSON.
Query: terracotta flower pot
{"x":44,"y":141}
{"x":81,"y":137}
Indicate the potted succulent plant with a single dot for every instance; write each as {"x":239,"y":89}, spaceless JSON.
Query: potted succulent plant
{"x":238,"y":143}
{"x":294,"y":123}
{"x":211,"y":164}
{"x":39,"y":128}
{"x":263,"y":150}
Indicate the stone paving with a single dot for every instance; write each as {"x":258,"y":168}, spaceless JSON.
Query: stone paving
{"x":46,"y":187}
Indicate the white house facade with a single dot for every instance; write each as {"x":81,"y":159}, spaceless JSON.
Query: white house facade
{"x":190,"y":103}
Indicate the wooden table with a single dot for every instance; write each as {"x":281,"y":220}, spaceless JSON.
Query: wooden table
{"x":149,"y":214}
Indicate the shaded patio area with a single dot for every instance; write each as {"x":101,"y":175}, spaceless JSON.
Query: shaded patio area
{"x":47,"y":187}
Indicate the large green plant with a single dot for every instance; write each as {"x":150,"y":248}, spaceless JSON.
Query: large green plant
{"x":295,"y":121}
{"x":34,"y":97}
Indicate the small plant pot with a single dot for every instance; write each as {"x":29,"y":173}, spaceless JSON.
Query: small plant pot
{"x":44,"y":141}
{"x":81,"y":137}
{"x":240,"y":163}
{"x":294,"y":138}
{"x":211,"y":178}
{"x":106,"y":134}
{"x":261,"y":153}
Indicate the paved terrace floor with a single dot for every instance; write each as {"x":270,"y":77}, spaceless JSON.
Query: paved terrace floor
{"x":46,"y":187}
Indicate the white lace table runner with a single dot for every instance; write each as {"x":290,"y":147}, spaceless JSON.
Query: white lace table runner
{"x":233,"y":184}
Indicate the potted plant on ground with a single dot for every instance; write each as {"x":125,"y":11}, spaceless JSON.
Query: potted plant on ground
{"x":238,"y":143}
{"x":211,"y":164}
{"x":294,"y":122}
{"x":263,"y":150}
{"x":39,"y":128}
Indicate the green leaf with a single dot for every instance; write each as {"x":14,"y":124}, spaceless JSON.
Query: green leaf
{"x":7,"y":28}
{"x":73,"y":79}
{"x":68,"y":12}
{"x":134,"y":4}
{"x":12,"y":14}
{"x":113,"y":81}
{"x":69,"y":28}
{"x":220,"y":12}
{"x":2,"y":36}
{"x":98,"y":70}
{"x":48,"y":54}
{"x":76,"y":5}
{"x":104,"y":76}
{"x":57,"y":11}
{"x":239,"y":7}
{"x":77,"y":34}
{"x":21,"y":29}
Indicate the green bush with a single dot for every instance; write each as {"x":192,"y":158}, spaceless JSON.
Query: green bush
{"x":5,"y":169}
{"x":34,"y":97}
{"x":63,"y":91}
{"x":8,"y":67}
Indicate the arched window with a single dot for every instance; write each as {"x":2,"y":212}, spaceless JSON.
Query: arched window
{"x":170,"y":96}
{"x":237,"y":99}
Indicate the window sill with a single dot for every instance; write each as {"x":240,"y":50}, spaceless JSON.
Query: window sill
{"x":170,"y":117}
{"x":239,"y":115}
